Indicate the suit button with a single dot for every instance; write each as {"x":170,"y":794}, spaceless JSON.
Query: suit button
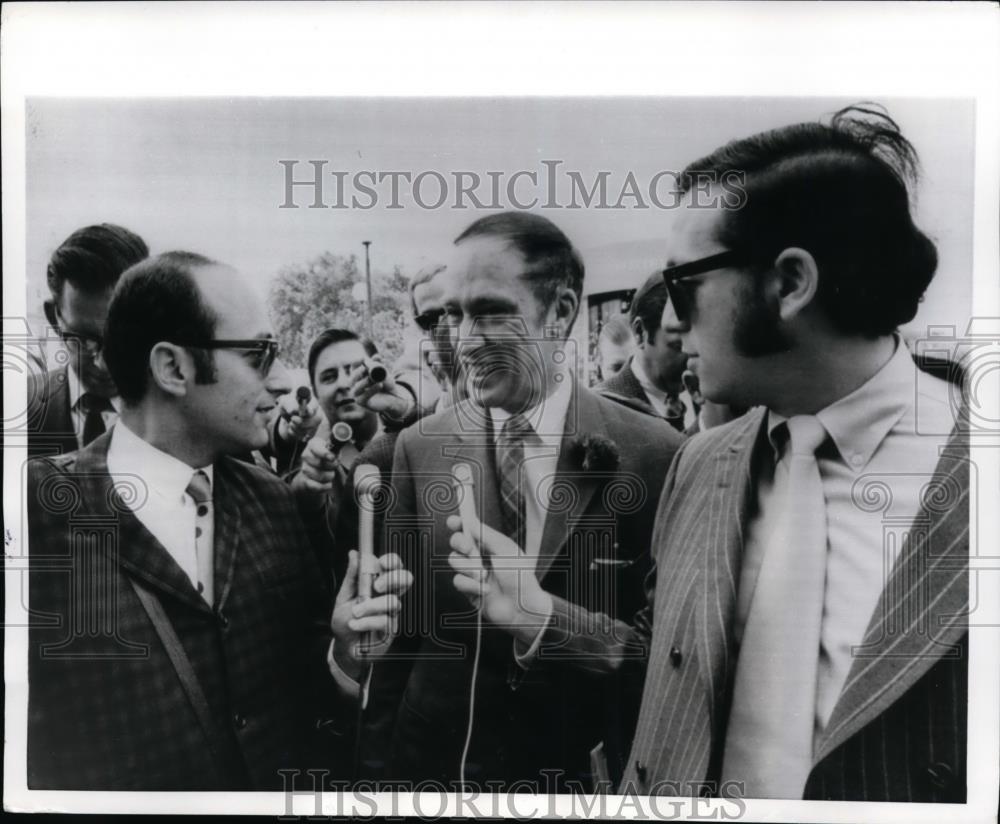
{"x":223,"y":620}
{"x":941,"y":775}
{"x":640,"y":770}
{"x":239,"y":721}
{"x":675,"y":656}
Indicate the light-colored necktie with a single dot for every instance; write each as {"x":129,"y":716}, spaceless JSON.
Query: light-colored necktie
{"x":200,"y":490}
{"x":769,"y":741}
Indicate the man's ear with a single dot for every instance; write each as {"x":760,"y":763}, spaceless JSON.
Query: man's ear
{"x":172,"y":367}
{"x":638,"y":331}
{"x":567,"y":304}
{"x":795,"y":281}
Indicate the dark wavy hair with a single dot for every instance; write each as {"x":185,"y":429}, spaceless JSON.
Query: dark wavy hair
{"x":841,"y":191}
{"x":647,"y":304}
{"x":93,"y":258}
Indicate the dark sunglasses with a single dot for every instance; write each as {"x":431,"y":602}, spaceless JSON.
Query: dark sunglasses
{"x":263,"y":351}
{"x":680,"y":297}
{"x":428,"y":321}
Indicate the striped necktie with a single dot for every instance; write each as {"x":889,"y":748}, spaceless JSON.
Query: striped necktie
{"x":510,"y":462}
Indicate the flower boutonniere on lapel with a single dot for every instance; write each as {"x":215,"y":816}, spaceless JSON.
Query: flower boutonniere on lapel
{"x":595,"y":453}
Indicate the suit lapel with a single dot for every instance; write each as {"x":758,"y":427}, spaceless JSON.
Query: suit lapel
{"x":718,"y":546}
{"x":585,"y":412}
{"x":227,"y":544}
{"x":922,"y":611}
{"x":137,"y":550}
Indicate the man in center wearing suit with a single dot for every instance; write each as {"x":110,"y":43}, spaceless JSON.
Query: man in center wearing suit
{"x":652,"y":377}
{"x":182,"y":638}
{"x":574,"y":478}
{"x":809,"y":613}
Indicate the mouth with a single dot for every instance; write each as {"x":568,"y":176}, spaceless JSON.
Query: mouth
{"x":264,"y":410}
{"x":344,"y":402}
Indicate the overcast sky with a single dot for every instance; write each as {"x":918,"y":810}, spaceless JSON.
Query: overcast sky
{"x":204,"y":174}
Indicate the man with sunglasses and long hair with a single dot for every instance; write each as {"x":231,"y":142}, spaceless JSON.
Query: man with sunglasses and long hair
{"x":70,"y":405}
{"x":807,"y":632}
{"x":189,"y":643}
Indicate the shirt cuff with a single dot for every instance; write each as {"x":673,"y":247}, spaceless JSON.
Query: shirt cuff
{"x":525,"y":659}
{"x":347,"y":685}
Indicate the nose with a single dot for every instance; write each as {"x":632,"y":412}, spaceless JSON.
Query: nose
{"x":278,"y":380}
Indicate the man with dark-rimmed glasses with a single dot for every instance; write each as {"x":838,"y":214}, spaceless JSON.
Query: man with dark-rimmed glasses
{"x":70,"y":405}
{"x":192,"y":646}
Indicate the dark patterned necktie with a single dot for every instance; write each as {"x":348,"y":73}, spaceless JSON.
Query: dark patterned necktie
{"x":675,"y":412}
{"x":510,"y":461}
{"x":93,"y":407}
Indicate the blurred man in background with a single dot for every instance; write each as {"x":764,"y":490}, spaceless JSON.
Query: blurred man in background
{"x":653,"y":374}
{"x":614,"y":346}
{"x":70,"y":406}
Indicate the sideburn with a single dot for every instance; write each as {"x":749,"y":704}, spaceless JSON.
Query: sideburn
{"x":757,"y":322}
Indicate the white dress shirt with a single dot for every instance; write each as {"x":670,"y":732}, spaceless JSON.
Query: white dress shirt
{"x":162,"y":504}
{"x":109,"y":416}
{"x":874,"y":438}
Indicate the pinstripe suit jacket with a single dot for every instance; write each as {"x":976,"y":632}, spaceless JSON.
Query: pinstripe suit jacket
{"x":898,"y":731}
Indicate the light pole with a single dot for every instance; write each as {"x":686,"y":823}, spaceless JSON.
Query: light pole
{"x":368,"y":287}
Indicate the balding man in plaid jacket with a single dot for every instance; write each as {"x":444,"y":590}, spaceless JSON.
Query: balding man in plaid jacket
{"x":181,"y":636}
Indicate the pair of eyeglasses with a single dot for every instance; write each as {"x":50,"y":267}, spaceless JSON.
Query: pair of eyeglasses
{"x":429,"y":321}
{"x":263,"y":351}
{"x":88,"y":343}
{"x":673,"y":277}
{"x":91,"y":344}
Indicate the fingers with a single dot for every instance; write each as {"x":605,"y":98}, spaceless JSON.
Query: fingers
{"x":469,"y":567}
{"x":379,"y":605}
{"x":349,"y":588}
{"x":460,"y":542}
{"x":390,"y":561}
{"x":473,"y":590}
{"x":489,"y":541}
{"x":454,"y":523}
{"x":397,"y":582}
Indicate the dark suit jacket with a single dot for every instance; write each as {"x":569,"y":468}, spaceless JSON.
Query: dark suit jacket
{"x":50,"y":424}
{"x":898,"y":731}
{"x":594,"y":552}
{"x":625,"y":388}
{"x":105,"y":708}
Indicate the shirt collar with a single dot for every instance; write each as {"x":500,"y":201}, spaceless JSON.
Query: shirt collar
{"x":859,"y":422}
{"x":547,"y":419}
{"x":167,"y":476}
{"x":76,"y":390}
{"x":647,"y":385}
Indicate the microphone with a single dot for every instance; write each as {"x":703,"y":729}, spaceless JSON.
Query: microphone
{"x":367,"y":479}
{"x":303,"y":396}
{"x":341,"y":444}
{"x":375,"y":370}
{"x":465,"y":492}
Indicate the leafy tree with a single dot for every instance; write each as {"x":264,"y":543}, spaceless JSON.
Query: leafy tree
{"x":307,"y":298}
